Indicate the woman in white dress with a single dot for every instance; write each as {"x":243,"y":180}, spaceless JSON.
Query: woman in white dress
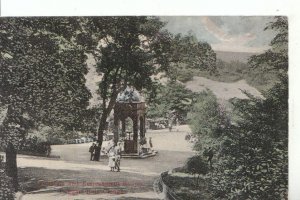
{"x":111,"y":158}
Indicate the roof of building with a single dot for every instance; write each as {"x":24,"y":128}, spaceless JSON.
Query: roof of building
{"x":129,"y":95}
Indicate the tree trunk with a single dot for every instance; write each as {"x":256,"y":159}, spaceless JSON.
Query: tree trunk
{"x":11,"y":165}
{"x":101,"y":128}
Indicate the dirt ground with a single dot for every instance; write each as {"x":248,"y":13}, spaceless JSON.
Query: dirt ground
{"x":74,"y":176}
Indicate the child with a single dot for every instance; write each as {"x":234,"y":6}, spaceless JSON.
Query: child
{"x":111,"y":159}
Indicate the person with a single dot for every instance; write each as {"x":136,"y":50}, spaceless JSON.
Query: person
{"x":48,"y":149}
{"x":118,"y":157}
{"x":92,"y":151}
{"x":111,"y":158}
{"x":188,"y":137}
{"x":150,"y":143}
{"x":177,"y":124}
{"x":170,"y":127}
{"x":210,"y":155}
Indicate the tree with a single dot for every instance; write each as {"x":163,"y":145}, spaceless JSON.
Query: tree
{"x":208,"y":120}
{"x":172,"y":97}
{"x":189,"y":54}
{"x":256,"y":148}
{"x":42,"y":78}
{"x":132,"y":51}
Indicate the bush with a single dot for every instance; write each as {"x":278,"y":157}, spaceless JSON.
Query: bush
{"x":6,"y":188}
{"x":34,"y":146}
{"x":197,"y":165}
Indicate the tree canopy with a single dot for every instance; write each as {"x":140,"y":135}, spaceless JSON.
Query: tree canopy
{"x":134,"y":50}
{"x":41,"y":78}
{"x":42,"y":69}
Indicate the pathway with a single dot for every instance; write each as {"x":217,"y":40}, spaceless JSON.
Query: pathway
{"x":73,"y":176}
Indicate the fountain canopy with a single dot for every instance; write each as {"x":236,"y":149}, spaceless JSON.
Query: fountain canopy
{"x":129,"y":104}
{"x":129,"y":95}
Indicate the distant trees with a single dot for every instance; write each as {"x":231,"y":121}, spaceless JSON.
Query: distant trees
{"x":171,"y":97}
{"x":233,"y":71}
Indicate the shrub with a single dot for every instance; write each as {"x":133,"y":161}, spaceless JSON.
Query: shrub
{"x":6,"y":188}
{"x":35,"y":146}
{"x":197,"y":165}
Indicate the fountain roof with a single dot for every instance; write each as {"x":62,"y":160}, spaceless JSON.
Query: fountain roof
{"x":129,"y":95}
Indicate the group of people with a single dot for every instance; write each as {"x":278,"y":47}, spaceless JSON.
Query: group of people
{"x":95,"y":150}
{"x":114,"y":157}
{"x":146,"y":147}
{"x":113,"y":152}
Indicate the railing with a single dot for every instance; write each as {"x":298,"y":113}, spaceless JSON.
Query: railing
{"x":168,"y":193}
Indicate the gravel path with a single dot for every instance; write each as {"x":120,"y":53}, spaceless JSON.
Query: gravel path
{"x":73,"y":176}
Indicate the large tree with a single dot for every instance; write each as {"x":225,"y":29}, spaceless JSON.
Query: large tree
{"x":133,"y":50}
{"x":41,"y":79}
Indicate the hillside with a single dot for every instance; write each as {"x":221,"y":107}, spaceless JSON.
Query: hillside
{"x":223,"y":91}
{"x":233,"y":56}
{"x":228,"y":84}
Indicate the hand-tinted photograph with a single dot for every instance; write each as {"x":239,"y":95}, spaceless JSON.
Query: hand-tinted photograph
{"x":144,"y":107}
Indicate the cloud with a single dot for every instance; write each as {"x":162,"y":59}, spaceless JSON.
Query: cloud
{"x":224,"y":33}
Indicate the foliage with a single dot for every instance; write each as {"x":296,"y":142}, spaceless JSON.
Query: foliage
{"x":171,"y":97}
{"x":197,"y":165}
{"x":188,"y":54}
{"x":255,"y":149}
{"x":42,"y":71}
{"x":90,"y":119}
{"x":255,"y":152}
{"x":183,"y":187}
{"x":6,"y":191}
{"x":134,"y":49}
{"x":208,"y":120}
{"x":33,"y":145}
{"x":129,"y":51}
{"x":43,"y":64}
{"x":235,"y":70}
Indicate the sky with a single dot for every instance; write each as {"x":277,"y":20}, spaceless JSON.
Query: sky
{"x":230,"y":33}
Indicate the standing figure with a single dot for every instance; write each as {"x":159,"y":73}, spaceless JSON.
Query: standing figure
{"x":111,"y":158}
{"x":48,"y":149}
{"x":118,"y":156}
{"x":177,"y":124}
{"x":150,"y":143}
{"x":92,"y":151}
{"x":170,"y":127}
{"x":210,"y":155}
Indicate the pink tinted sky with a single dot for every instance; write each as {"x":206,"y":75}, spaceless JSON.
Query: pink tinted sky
{"x":230,"y":33}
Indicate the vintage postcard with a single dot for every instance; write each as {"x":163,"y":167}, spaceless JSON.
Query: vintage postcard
{"x":144,"y":107}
